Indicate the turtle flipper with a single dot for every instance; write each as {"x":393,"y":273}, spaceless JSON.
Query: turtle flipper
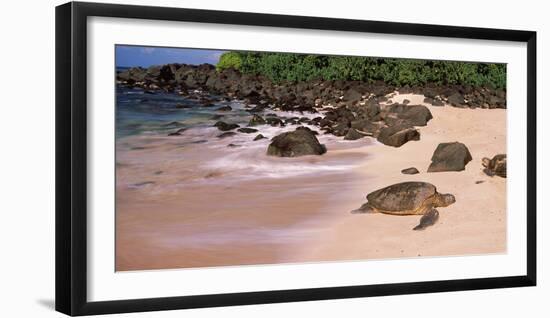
{"x":428,"y":219}
{"x":365,"y":208}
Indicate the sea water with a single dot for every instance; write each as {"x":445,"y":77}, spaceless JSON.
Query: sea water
{"x":149,"y":117}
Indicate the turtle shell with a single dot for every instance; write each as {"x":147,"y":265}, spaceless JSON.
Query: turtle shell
{"x":401,"y":197}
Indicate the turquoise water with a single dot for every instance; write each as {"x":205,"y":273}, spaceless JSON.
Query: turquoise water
{"x":139,"y":112}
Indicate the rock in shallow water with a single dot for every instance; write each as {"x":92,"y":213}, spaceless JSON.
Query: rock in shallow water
{"x":223,"y":126}
{"x":296,"y":143}
{"x":451,"y":156}
{"x":174,"y":124}
{"x":247,"y":130}
{"x":256,"y":120}
{"x":274,"y":121}
{"x":258,"y":137}
{"x":178,"y":132}
{"x":227,"y":134}
{"x":225,"y":108}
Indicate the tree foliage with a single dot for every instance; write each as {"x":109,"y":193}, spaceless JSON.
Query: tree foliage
{"x":400,"y":72}
{"x":229,"y":59}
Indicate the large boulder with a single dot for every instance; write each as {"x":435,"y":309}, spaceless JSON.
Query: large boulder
{"x":415,"y":115}
{"x":296,"y":143}
{"x":398,"y":135}
{"x":450,"y":156}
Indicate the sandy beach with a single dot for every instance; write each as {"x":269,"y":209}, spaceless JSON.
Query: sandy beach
{"x":475,"y":224}
{"x":184,"y":202}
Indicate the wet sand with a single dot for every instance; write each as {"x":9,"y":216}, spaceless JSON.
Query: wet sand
{"x":182,"y":202}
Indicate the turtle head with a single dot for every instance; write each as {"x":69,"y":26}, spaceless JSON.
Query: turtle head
{"x":446,"y":200}
{"x":486,"y":162}
{"x":365,"y":208}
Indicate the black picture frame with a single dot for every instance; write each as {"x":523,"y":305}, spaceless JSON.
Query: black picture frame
{"x":71,"y":157}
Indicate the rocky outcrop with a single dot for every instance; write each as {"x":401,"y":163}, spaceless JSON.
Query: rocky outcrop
{"x":348,"y":109}
{"x":303,"y":96}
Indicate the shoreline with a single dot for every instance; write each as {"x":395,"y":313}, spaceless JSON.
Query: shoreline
{"x":330,"y":232}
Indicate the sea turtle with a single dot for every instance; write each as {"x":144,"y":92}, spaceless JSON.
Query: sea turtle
{"x":408,"y":198}
{"x":495,"y":166}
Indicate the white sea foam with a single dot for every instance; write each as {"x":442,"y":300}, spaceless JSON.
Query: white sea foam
{"x":247,"y":166}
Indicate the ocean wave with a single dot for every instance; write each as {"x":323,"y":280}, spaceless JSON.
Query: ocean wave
{"x":247,"y":162}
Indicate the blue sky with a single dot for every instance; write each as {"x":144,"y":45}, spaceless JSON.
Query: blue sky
{"x":147,"y":55}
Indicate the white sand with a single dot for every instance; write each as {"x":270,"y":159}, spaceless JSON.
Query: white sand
{"x":475,"y":224}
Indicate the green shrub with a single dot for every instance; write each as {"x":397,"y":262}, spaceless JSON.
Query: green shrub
{"x":303,"y":67}
{"x":229,"y":59}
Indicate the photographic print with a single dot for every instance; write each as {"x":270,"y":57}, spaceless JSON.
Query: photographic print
{"x":231,"y":158}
